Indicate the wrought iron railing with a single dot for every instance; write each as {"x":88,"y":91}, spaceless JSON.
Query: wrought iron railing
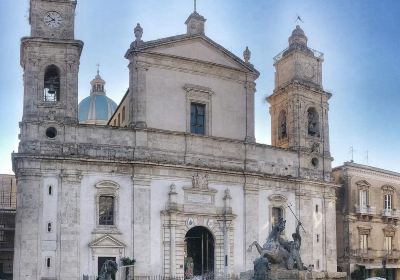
{"x":365,"y":209}
{"x":316,"y":53}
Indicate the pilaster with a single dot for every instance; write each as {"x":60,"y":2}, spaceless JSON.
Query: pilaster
{"x":251,"y":197}
{"x":141,"y":223}
{"x":330,"y":233}
{"x":250,"y":88}
{"x":69,"y":213}
{"x":137,"y":89}
{"x":26,"y":242}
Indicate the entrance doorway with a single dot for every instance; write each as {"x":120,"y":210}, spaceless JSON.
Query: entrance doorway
{"x":199,"y":244}
{"x":101,"y":261}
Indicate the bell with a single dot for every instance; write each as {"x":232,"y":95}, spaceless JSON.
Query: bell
{"x":51,"y":89}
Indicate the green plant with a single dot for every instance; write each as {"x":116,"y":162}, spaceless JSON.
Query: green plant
{"x":127,"y":261}
{"x":357,"y":274}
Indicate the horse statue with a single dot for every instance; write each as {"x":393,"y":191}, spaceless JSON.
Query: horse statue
{"x":107,"y":270}
{"x":276,"y":249}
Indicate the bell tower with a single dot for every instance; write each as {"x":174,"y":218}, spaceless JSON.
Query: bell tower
{"x":299,"y":106}
{"x":50,"y":60}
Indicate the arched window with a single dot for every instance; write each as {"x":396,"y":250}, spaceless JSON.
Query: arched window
{"x":51,"y":86}
{"x":313,"y":122}
{"x":123,"y":113}
{"x":282,"y":127}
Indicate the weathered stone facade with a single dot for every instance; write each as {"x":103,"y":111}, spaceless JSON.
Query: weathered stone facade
{"x":367,"y":220}
{"x":8,"y":192}
{"x":163,"y":180}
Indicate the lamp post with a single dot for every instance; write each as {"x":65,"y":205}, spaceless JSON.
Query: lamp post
{"x":384,"y":261}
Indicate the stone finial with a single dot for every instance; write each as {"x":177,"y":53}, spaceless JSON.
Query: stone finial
{"x":195,"y":24}
{"x":227,"y":201}
{"x":227,"y":194}
{"x":247,"y":55}
{"x":172,"y":196}
{"x":298,"y":37}
{"x":138,"y":32}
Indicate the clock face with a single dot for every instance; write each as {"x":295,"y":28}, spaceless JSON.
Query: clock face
{"x":308,"y":71}
{"x":52,"y":19}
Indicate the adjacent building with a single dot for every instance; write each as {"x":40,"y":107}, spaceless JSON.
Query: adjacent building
{"x":176,"y":176}
{"x":367,"y":220}
{"x":8,"y":191}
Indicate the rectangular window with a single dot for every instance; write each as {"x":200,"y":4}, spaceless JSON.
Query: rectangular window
{"x":123,"y":114}
{"x":388,"y":202}
{"x":316,"y":208}
{"x":388,"y":244}
{"x":197,"y":118}
{"x":363,"y":199}
{"x":106,"y":210}
{"x":317,"y":238}
{"x":276,"y":215}
{"x":364,"y":243}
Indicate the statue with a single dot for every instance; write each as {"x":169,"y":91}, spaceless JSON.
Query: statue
{"x":107,"y":270}
{"x":280,"y":251}
{"x":261,"y":269}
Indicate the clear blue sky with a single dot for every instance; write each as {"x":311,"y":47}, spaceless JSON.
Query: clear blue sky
{"x":360,"y":40}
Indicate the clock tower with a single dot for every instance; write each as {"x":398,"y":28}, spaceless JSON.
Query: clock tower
{"x":50,"y":59}
{"x":299,"y":107}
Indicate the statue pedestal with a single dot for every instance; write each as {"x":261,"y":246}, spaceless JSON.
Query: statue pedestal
{"x":278,"y":273}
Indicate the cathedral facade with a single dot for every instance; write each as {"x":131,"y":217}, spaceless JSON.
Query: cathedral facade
{"x":175,"y":179}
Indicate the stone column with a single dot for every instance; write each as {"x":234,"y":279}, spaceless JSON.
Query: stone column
{"x":251,"y":195}
{"x":250,"y":89}
{"x":69,"y":225}
{"x":141,"y":224}
{"x":26,"y":242}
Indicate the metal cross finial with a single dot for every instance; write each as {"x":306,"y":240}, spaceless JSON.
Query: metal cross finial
{"x":195,"y":5}
{"x":298,"y":19}
{"x":98,"y":68}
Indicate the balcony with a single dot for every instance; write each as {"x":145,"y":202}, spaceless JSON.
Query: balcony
{"x":390,"y":215}
{"x":365,"y":255}
{"x":371,"y":256}
{"x":365,"y":212}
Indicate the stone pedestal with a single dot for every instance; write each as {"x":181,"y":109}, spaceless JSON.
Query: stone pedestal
{"x":277,"y":273}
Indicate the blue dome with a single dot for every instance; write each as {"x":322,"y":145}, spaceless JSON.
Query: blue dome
{"x":96,"y":108}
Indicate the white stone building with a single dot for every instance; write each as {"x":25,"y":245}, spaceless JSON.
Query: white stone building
{"x":176,"y":173}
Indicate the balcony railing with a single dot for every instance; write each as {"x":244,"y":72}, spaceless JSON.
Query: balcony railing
{"x":369,"y":255}
{"x":390,"y":213}
{"x":365,"y":210}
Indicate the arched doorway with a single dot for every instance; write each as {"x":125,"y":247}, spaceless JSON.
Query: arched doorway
{"x":199,"y":249}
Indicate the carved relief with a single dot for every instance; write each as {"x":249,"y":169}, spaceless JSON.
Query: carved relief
{"x":200,"y":181}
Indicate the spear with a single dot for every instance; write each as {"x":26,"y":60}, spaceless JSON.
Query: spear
{"x":296,"y":218}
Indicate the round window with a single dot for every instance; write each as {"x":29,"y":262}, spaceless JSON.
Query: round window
{"x":51,"y":132}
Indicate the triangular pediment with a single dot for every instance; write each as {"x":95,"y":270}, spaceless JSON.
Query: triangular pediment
{"x":198,"y":48}
{"x":106,"y":241}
